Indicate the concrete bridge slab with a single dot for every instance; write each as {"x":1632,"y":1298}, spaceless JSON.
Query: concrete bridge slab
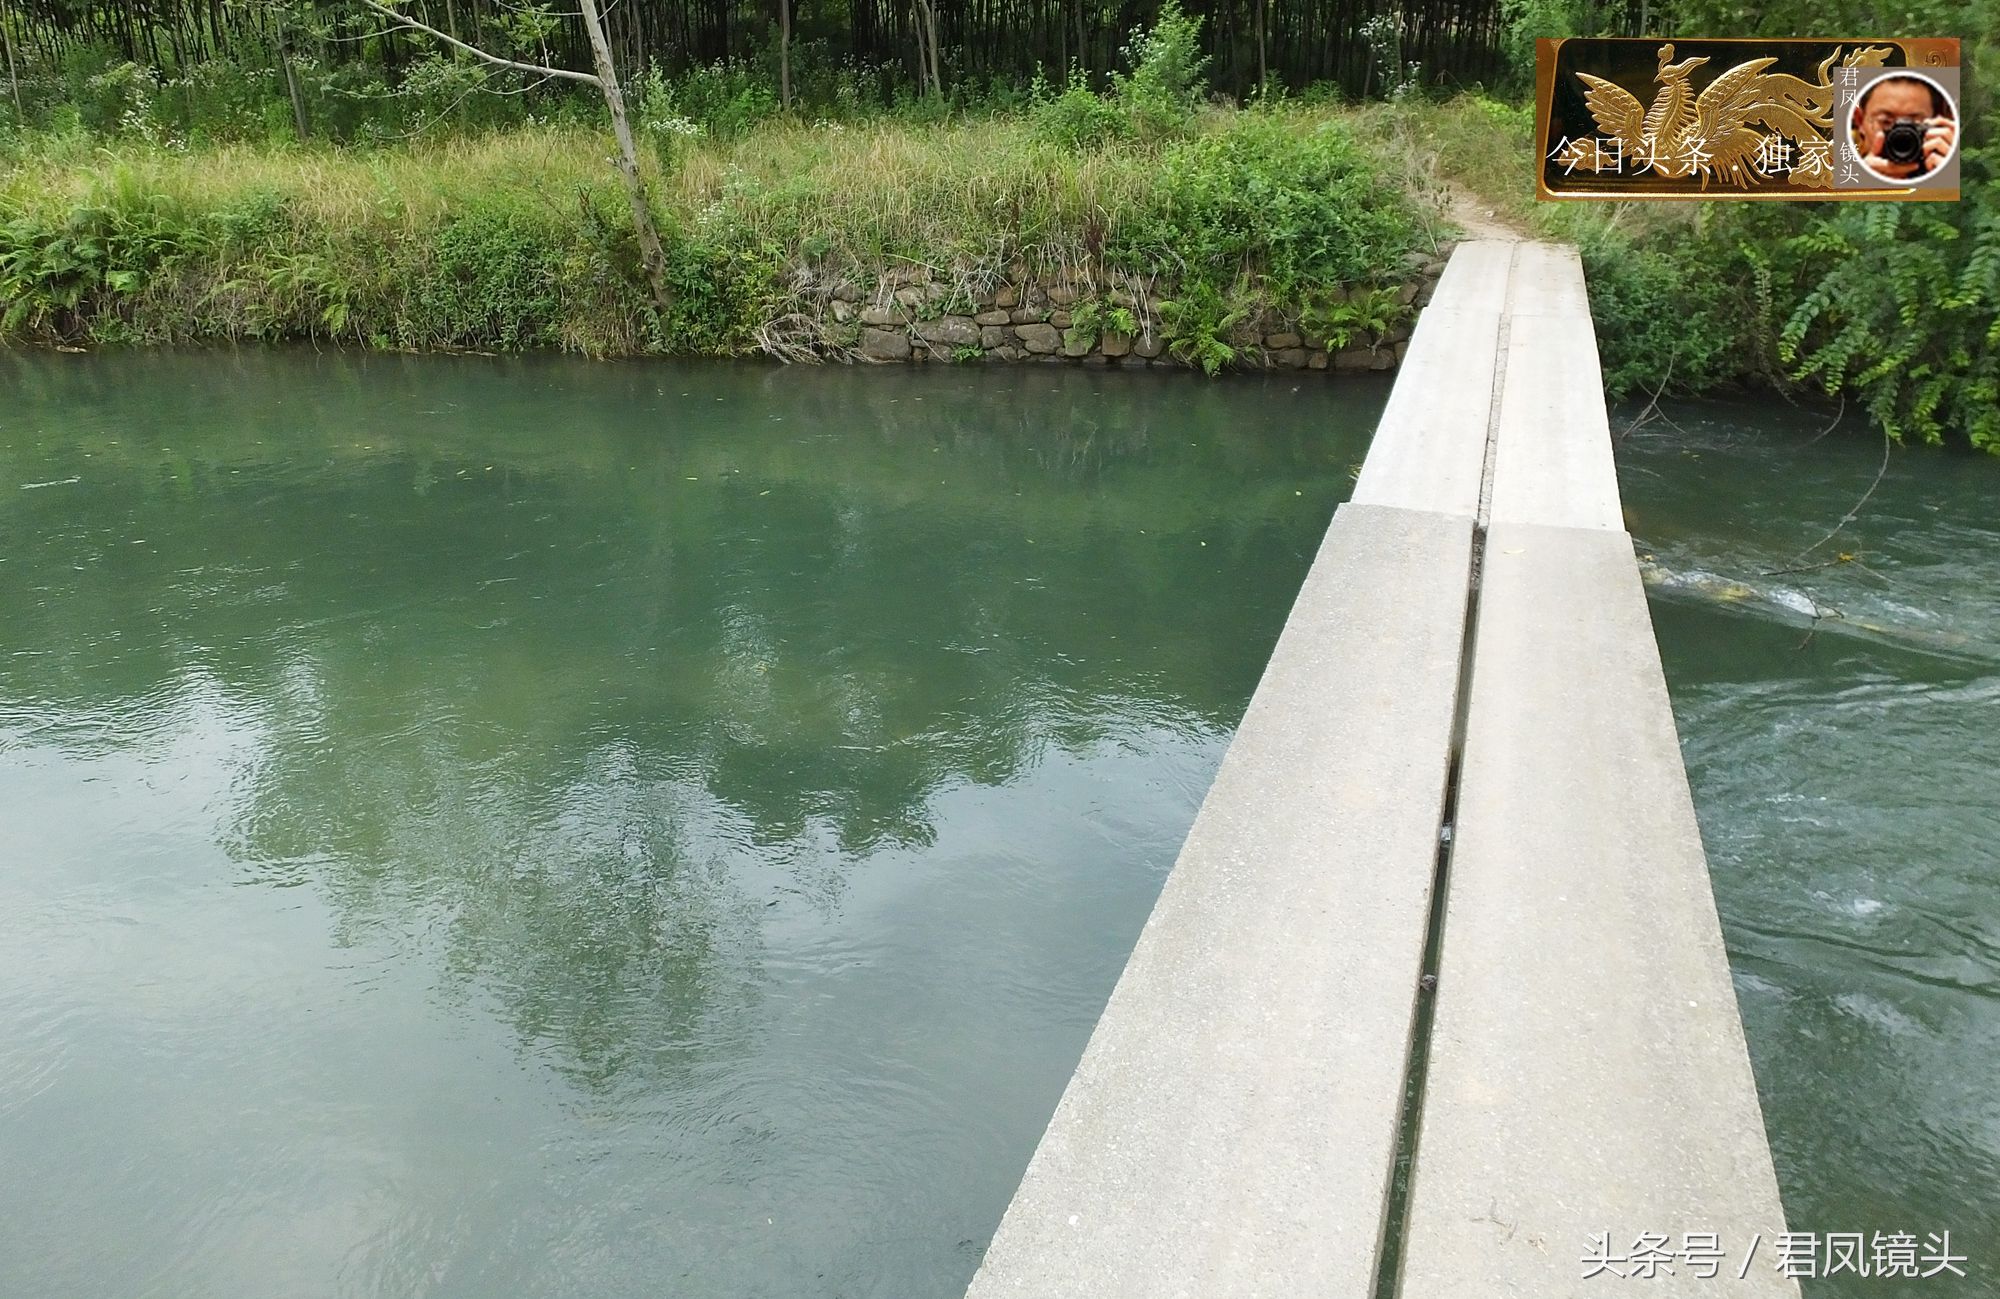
{"x":1587,"y":1070}
{"x":1477,"y":273}
{"x":1429,"y":450}
{"x":1548,"y":281}
{"x":1232,"y":1126}
{"x":1552,"y":446}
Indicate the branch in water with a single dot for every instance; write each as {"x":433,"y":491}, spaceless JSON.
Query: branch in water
{"x":1853,"y":513}
{"x":1653,"y":411}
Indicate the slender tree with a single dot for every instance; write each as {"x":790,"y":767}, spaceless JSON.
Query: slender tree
{"x":651,"y":254}
{"x":927,"y":45}
{"x":1263,"y":67}
{"x":785,"y":54}
{"x":13,"y":76}
{"x":292,"y":90}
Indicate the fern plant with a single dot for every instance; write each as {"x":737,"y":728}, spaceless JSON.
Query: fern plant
{"x":1196,"y":326}
{"x":1087,"y":320}
{"x":1357,"y":315}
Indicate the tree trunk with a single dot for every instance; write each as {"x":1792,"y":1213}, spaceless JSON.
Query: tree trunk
{"x":650,"y":251}
{"x":927,"y":46}
{"x":1263,"y":67}
{"x":785,"y":54}
{"x":13,"y":77}
{"x":292,"y":79}
{"x":937,"y":76}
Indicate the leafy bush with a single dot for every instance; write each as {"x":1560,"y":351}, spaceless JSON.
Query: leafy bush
{"x":1899,"y":304}
{"x":723,"y":99}
{"x":1165,"y":85}
{"x":1667,"y":311}
{"x":1077,"y":117}
{"x":660,"y":120}
{"x":119,"y":100}
{"x":1384,"y":36}
{"x":1261,"y":197}
{"x":219,"y":99}
{"x":1155,"y":101}
{"x":495,"y":280}
{"x":55,"y":276}
{"x":723,"y":289}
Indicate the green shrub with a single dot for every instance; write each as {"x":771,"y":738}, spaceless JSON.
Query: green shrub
{"x":724,"y":99}
{"x":1165,"y":85}
{"x":1299,"y":209}
{"x":1899,"y":305}
{"x":723,"y":289}
{"x":494,"y":280}
{"x":63,"y":278}
{"x":1077,"y":117}
{"x":661,"y":121}
{"x":1668,"y":311}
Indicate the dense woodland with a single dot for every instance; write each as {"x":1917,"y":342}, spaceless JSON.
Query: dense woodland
{"x":876,"y":48}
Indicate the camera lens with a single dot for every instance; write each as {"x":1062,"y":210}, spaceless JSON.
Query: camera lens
{"x":1904,"y":141}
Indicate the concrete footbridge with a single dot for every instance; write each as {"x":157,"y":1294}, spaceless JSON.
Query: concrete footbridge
{"x":1434,"y":1003}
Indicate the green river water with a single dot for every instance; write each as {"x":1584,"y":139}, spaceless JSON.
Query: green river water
{"x":527,"y":828}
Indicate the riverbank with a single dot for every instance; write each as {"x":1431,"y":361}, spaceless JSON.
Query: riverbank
{"x":1284,"y":234}
{"x":1256,"y":231}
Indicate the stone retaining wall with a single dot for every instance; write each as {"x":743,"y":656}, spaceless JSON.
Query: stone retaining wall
{"x":916,"y":313}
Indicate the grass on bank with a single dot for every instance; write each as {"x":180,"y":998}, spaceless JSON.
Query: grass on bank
{"x":521,"y":239}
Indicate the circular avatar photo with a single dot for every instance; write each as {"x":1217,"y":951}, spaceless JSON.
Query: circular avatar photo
{"x":1904,"y":127}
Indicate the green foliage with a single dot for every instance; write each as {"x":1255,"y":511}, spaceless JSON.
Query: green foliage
{"x":1197,"y":325}
{"x":494,"y":280}
{"x":1087,"y":321}
{"x":1360,"y":314}
{"x":1526,"y":21}
{"x":55,"y":274}
{"x":1667,"y":312}
{"x":1165,"y":86}
{"x":722,"y":98}
{"x":1077,"y":117}
{"x":118,"y":100}
{"x":1156,"y":100}
{"x":1891,"y":305}
{"x":1386,"y":67}
{"x":661,"y":122}
{"x":723,"y":289}
{"x":1901,"y":308}
{"x":1297,"y":209}
{"x":286,"y":294}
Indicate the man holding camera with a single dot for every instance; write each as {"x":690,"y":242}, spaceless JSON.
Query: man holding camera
{"x":1904,"y":128}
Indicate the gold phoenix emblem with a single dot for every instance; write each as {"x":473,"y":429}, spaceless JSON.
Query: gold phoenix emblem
{"x":1747,"y":125}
